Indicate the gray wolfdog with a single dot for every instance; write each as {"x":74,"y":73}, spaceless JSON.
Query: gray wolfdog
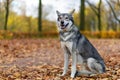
{"x":78,"y":46}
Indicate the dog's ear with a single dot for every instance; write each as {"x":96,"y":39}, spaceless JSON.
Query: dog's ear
{"x":71,"y":12}
{"x":58,"y":13}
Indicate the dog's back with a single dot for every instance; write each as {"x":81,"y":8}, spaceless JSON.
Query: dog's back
{"x":86,"y":49}
{"x":88,"y":52}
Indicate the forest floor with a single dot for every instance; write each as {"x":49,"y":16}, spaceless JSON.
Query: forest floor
{"x":42,"y":59}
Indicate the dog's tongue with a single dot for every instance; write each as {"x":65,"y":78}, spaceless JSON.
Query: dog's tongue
{"x":62,"y":26}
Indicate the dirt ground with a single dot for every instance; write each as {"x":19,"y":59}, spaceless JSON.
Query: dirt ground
{"x":42,"y":59}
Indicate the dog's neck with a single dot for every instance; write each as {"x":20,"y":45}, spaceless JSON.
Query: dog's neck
{"x":68,"y":35}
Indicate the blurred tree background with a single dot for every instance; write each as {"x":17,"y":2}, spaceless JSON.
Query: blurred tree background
{"x":94,"y":19}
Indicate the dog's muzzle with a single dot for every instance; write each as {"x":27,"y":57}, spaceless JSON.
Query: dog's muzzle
{"x":64,"y":26}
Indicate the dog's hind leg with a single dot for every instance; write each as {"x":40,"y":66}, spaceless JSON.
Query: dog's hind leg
{"x":83,"y":72}
{"x":95,"y":66}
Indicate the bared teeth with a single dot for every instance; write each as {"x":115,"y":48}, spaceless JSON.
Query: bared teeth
{"x":64,"y":26}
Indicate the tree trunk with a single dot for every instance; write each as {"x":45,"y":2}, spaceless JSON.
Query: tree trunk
{"x":40,"y":16}
{"x":114,"y":14}
{"x":7,"y":14}
{"x":97,"y":11}
{"x":82,"y":15}
{"x":99,"y":16}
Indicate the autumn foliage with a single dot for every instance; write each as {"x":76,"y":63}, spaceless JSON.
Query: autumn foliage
{"x":42,"y":59}
{"x":18,"y":35}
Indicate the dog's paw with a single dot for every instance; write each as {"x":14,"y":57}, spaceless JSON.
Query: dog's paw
{"x":63,"y":74}
{"x":72,"y":76}
{"x":76,"y":74}
{"x":91,"y":75}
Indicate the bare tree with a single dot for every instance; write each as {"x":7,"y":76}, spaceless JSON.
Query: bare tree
{"x":115,"y":7}
{"x":2,"y":12}
{"x":0,"y":6}
{"x":97,"y":11}
{"x":118,"y":1}
{"x":46,"y":11}
{"x":25,"y":17}
{"x":40,"y":16}
{"x":113,"y":11}
{"x":82,"y":15}
{"x":7,"y":7}
{"x":28,"y":19}
{"x":7,"y":4}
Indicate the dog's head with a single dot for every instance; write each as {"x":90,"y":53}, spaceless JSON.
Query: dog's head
{"x":65,"y":20}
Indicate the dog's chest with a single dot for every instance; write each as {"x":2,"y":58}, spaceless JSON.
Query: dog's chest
{"x":65,"y":34}
{"x":67,"y":44}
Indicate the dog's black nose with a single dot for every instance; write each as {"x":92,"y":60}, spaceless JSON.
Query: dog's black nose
{"x":62,"y":22}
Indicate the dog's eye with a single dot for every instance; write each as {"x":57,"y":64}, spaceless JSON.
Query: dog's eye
{"x":60,"y":18}
{"x":66,"y":18}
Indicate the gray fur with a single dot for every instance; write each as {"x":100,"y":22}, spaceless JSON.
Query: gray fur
{"x":79,"y":47}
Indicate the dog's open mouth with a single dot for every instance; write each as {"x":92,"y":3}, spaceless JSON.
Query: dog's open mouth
{"x":64,"y":26}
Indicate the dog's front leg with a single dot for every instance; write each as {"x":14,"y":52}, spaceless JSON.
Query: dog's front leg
{"x":66,"y":63}
{"x":74,"y":62}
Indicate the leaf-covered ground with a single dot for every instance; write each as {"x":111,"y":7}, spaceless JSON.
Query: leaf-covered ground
{"x":42,"y":59}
